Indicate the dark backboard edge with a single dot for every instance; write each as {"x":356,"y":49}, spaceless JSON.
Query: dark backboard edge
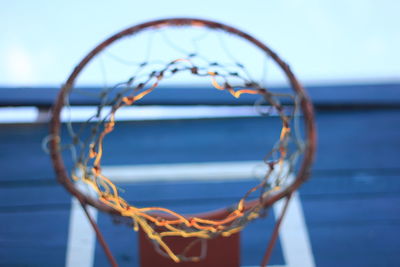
{"x":355,"y":96}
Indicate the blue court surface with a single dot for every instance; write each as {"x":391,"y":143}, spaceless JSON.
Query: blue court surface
{"x":347,"y":214}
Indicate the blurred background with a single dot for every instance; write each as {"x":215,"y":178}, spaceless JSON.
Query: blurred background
{"x":325,"y":42}
{"x":346,"y":55}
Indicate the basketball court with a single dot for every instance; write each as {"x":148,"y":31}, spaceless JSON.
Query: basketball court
{"x":189,"y":142}
{"x":346,"y":214}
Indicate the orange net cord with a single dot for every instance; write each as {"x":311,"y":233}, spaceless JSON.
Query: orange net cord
{"x":173,"y":223}
{"x":225,"y":71}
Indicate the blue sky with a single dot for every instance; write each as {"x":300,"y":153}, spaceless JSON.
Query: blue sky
{"x":324,"y":41}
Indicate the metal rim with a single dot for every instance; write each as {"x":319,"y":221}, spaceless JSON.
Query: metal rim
{"x":306,"y":107}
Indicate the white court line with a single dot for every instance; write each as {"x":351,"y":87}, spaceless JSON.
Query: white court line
{"x":81,"y":236}
{"x":296,"y":246}
{"x":209,"y":171}
{"x":81,"y":114}
{"x":135,"y":113}
{"x":293,"y":235}
{"x":18,"y":114}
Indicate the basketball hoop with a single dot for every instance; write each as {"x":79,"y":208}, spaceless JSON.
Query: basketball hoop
{"x":291,"y":155}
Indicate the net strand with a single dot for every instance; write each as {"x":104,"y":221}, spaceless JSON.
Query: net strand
{"x":230,"y":77}
{"x":178,"y":225}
